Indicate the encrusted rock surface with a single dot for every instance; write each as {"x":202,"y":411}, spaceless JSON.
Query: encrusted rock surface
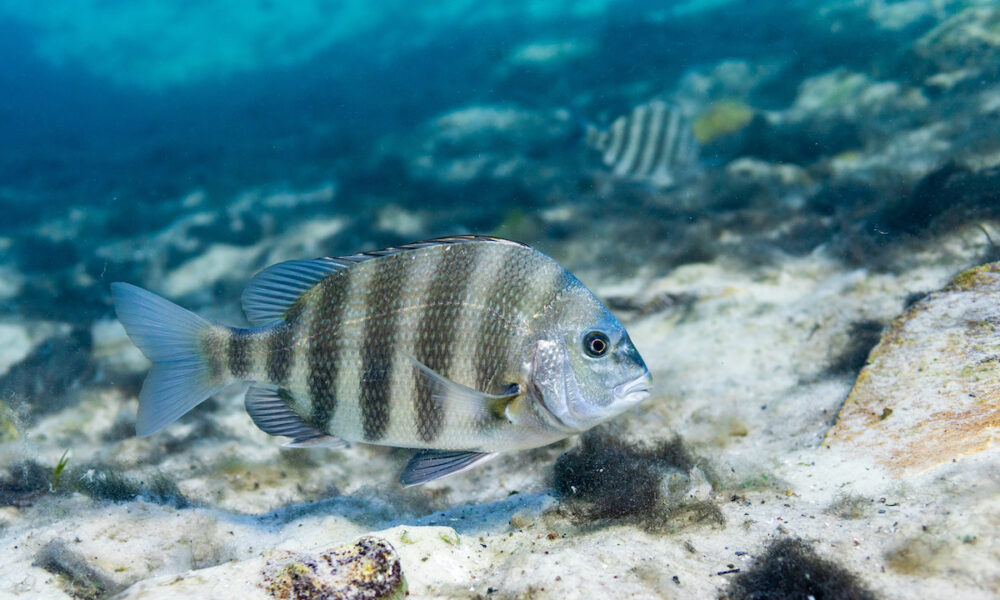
{"x":930,"y":392}
{"x":368,"y":569}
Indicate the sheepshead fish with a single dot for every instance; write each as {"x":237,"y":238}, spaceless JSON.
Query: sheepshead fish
{"x":459,"y":347}
{"x":654,"y":143}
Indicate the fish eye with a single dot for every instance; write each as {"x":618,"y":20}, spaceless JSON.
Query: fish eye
{"x":596,"y":344}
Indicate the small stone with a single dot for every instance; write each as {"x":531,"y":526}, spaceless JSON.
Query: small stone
{"x":368,"y":569}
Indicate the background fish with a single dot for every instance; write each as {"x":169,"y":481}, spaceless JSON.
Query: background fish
{"x":460,"y":347}
{"x":654,"y":143}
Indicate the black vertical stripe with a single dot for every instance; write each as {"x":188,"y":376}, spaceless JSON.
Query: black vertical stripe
{"x":674,"y":143}
{"x":436,"y":331}
{"x":238,"y":352}
{"x":280,"y":353}
{"x":624,"y":134}
{"x":655,"y":140}
{"x":381,"y":312}
{"x":640,"y":144}
{"x":321,"y":359}
{"x":661,"y":140}
{"x":490,"y":337}
{"x":212,"y":349}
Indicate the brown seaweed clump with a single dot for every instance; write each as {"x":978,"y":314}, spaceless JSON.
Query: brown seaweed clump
{"x":368,"y":569}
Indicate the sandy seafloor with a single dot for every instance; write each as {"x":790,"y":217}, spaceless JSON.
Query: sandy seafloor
{"x":836,"y":192}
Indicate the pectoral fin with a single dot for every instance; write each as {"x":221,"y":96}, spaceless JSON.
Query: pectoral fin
{"x":454,"y":397}
{"x":428,"y":465}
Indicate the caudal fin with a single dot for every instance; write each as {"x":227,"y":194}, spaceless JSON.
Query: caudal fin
{"x":171,"y":337}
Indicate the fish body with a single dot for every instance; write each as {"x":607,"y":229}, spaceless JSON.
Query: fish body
{"x":459,"y":347}
{"x":654,"y":143}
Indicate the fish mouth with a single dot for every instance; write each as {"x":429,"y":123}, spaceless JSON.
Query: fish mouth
{"x":634,"y":391}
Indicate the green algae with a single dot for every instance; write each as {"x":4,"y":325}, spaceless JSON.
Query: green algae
{"x":720,"y":119}
{"x":8,"y":424}
{"x":450,"y":537}
{"x":975,"y":278}
{"x":103,"y":483}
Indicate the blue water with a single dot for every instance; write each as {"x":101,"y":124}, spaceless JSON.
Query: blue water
{"x":152,"y":141}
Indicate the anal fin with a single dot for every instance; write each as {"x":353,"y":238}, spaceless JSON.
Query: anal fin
{"x":271,"y":413}
{"x":428,"y":465}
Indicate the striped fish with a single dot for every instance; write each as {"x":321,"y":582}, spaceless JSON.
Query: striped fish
{"x":654,"y":143}
{"x":459,"y":347}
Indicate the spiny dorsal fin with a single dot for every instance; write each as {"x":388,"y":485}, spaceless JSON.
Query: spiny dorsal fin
{"x":271,"y":413}
{"x":274,"y":290}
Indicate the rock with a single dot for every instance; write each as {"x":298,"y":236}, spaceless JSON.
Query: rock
{"x":368,"y":569}
{"x":15,"y":344}
{"x":967,"y":43}
{"x":549,"y":54}
{"x":845,"y":94}
{"x":931,"y":389}
{"x":114,"y":351}
{"x":220,"y":261}
{"x":487,"y":141}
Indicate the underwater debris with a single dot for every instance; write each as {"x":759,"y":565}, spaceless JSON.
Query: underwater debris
{"x":605,"y":478}
{"x":368,"y":569}
{"x":790,"y":568}
{"x":82,"y":581}
{"x":103,"y":483}
{"x":850,"y":506}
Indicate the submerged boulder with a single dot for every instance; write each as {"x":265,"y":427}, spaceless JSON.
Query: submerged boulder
{"x":930,"y":391}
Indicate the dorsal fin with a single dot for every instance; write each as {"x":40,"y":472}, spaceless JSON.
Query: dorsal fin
{"x":274,"y":290}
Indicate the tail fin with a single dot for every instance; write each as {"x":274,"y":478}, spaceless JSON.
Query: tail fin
{"x":171,"y":337}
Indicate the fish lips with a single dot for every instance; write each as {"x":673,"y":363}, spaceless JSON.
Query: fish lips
{"x":635,"y":391}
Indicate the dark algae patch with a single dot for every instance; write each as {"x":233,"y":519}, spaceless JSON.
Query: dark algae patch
{"x":608,"y":479}
{"x":790,"y":568}
{"x":106,"y":484}
{"x":24,"y":482}
{"x":29,"y":480}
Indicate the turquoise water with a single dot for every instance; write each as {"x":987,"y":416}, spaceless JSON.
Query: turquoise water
{"x":848,"y":164}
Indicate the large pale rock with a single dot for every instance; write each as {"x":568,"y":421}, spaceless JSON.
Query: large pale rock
{"x":931,"y":389}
